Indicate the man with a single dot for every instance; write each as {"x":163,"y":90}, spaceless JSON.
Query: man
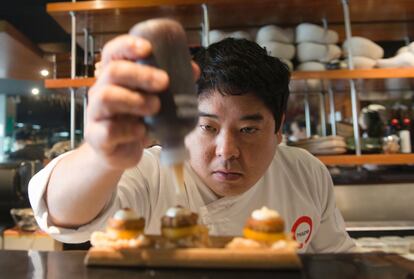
{"x":235,"y":163}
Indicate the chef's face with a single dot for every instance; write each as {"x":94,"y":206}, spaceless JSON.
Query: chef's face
{"x":233,"y":143}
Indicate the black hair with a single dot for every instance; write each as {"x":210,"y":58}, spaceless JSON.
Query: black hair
{"x":239,"y":66}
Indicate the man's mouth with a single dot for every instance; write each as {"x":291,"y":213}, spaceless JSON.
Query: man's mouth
{"x":223,"y":175}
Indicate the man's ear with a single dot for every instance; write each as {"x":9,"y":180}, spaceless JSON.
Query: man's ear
{"x":280,"y":131}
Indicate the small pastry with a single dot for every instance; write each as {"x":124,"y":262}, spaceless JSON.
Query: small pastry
{"x":178,"y":222}
{"x":265,"y":225}
{"x":179,"y":228}
{"x":124,"y":231}
{"x":125,"y":224}
{"x":264,"y":230}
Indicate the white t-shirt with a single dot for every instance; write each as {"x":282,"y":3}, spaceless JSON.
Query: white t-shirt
{"x":296,"y":184}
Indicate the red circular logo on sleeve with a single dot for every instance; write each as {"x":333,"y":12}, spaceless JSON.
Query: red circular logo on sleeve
{"x":302,"y":230}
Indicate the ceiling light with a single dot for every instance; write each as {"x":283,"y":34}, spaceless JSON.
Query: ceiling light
{"x":35,"y":91}
{"x":44,"y":73}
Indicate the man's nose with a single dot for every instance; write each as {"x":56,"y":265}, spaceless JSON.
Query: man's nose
{"x":226,"y":146}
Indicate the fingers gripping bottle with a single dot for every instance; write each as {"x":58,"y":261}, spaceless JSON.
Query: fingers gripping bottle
{"x":178,"y":113}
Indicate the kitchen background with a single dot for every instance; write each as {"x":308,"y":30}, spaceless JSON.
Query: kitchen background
{"x":35,"y":121}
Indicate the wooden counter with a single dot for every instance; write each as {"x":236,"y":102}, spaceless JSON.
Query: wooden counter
{"x":69,"y":264}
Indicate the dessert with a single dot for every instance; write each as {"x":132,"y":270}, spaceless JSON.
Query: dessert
{"x":265,"y":225}
{"x":185,"y":243}
{"x":179,"y":228}
{"x":264,"y":229}
{"x":124,"y":230}
{"x":125,"y":224}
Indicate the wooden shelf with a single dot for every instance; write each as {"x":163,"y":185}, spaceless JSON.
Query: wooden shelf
{"x":299,"y":75}
{"x":298,"y":10}
{"x":377,"y":159}
{"x":67,"y":82}
{"x":390,"y":20}
{"x":355,"y":74}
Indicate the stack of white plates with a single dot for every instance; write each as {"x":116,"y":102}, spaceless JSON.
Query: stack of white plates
{"x":329,"y":145}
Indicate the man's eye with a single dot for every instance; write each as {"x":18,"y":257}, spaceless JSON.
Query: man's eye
{"x":248,"y":130}
{"x":208,"y":128}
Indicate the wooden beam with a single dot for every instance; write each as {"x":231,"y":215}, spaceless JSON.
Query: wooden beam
{"x":356,"y":74}
{"x":299,"y":75}
{"x":84,"y":6}
{"x":67,"y":83}
{"x":377,"y":159}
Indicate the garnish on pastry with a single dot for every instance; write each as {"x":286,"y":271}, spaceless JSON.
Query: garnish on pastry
{"x":180,"y":228}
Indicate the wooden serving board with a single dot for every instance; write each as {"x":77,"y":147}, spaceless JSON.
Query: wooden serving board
{"x":194,"y":258}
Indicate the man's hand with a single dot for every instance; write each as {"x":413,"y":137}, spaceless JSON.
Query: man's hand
{"x":124,"y":93}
